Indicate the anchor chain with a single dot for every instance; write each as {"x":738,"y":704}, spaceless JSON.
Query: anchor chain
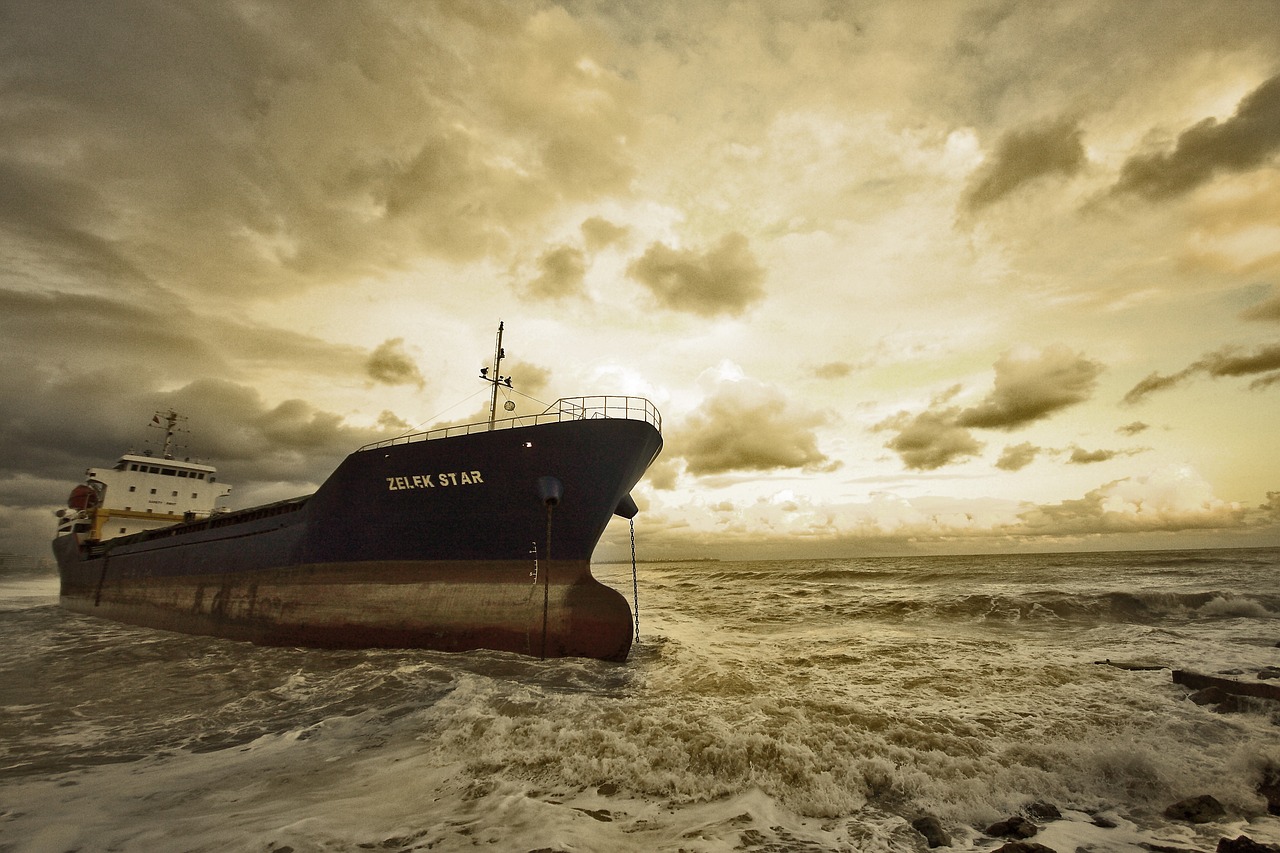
{"x":635,"y":580}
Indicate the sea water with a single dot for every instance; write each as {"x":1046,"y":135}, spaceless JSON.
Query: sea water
{"x":771,"y":706}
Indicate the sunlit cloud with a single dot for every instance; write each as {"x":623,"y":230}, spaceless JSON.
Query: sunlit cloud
{"x":725,"y":279}
{"x":747,"y":426}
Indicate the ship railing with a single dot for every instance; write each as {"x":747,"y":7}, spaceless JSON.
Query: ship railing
{"x":564,"y":409}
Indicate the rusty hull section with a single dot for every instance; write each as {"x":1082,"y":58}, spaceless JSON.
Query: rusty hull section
{"x":447,"y":606}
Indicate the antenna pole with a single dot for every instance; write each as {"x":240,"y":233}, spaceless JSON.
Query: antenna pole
{"x":497,"y":378}
{"x":170,"y":423}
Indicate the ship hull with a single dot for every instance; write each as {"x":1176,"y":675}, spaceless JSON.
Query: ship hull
{"x":478,"y":541}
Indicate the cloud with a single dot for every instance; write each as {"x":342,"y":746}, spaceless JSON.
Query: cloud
{"x":1080,"y":456}
{"x":1015,"y":457}
{"x":563,"y":272}
{"x":1023,"y":155}
{"x":1229,"y":361}
{"x":1168,"y":499}
{"x":833,"y":370}
{"x":930,"y":439}
{"x":1030,"y":387}
{"x":1133,"y":428}
{"x":391,"y":365}
{"x":233,"y":150}
{"x":723,"y":280}
{"x":600,"y":232}
{"x":748,"y":426}
{"x":1246,"y":140}
{"x":1267,"y":310}
{"x":162,"y":336}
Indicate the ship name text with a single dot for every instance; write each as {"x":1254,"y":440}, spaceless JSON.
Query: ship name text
{"x":431,"y":481}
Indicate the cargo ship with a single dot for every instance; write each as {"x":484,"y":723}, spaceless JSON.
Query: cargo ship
{"x":466,"y":537}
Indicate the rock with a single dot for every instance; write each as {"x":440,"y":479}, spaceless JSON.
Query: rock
{"x":1023,"y":847}
{"x":1269,"y":787}
{"x":1245,"y":844}
{"x":931,"y":828}
{"x":1013,"y":827}
{"x":1201,"y":809}
{"x":1196,"y":681}
{"x":608,"y":789}
{"x":1209,"y":696}
{"x":1233,"y":705}
{"x":1104,"y":822}
{"x":1269,"y":672}
{"x":1040,"y":810}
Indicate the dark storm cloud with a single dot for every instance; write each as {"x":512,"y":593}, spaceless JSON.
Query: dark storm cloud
{"x":723,"y":280}
{"x":750,"y":427}
{"x":1023,"y":155}
{"x":63,"y":422}
{"x":249,"y":148}
{"x":1246,"y":140}
{"x":163,"y":337}
{"x":1229,"y":361}
{"x":1032,"y":388}
{"x":1015,"y":457}
{"x":391,"y":365}
{"x":562,"y":273}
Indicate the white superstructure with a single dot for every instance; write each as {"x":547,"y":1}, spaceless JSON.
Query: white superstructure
{"x":141,"y":492}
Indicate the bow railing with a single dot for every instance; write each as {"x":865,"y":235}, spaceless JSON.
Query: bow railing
{"x":564,"y":409}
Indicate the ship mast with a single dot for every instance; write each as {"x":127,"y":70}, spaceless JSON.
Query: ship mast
{"x":170,"y":424}
{"x":497,"y":378}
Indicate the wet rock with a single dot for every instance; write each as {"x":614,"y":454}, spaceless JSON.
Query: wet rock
{"x":1269,"y":672}
{"x":1245,"y":844}
{"x":931,"y":828}
{"x":752,"y":838}
{"x":1040,"y":810}
{"x":1164,"y":848}
{"x":1013,"y":827}
{"x":1269,"y":787}
{"x":1209,"y":696}
{"x":1104,"y":822}
{"x":1023,"y":847}
{"x":608,"y":789}
{"x":1233,"y":705}
{"x":1201,"y":809}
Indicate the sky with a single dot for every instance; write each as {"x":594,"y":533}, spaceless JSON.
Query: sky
{"x":902,"y":277}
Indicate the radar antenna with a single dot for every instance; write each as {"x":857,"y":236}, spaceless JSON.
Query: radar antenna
{"x":497,"y":379}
